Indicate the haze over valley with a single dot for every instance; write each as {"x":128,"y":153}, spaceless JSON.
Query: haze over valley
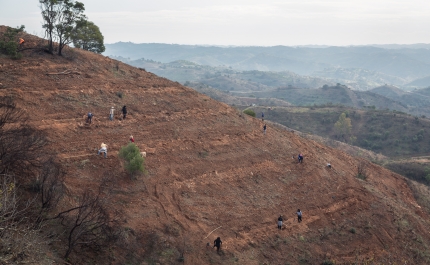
{"x":358,"y":67}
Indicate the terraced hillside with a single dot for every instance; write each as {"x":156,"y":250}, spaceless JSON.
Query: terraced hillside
{"x":210,"y":172}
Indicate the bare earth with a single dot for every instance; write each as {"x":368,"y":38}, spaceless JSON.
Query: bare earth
{"x":210,"y":166}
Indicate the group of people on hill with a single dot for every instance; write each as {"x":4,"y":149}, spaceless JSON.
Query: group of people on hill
{"x":123,"y":110}
{"x":217,"y":241}
{"x":281,"y":219}
{"x":299,"y":157}
{"x":103,"y":146}
{"x":90,"y":115}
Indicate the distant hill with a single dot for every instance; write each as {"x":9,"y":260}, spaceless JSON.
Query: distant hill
{"x":423,"y":91}
{"x":226,"y":78}
{"x":417,"y":101}
{"x":289,"y":87}
{"x":226,"y":97}
{"x":285,"y":86}
{"x":390,"y":133}
{"x":402,"y":46}
{"x":406,"y":63}
{"x":339,"y":94}
{"x":358,"y":78}
{"x":421,"y":82}
{"x":389,"y":92}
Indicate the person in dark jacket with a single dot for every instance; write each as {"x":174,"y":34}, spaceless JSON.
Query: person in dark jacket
{"x":124,"y":112}
{"x":217,"y":244}
{"x":299,"y":215}
{"x":90,"y":117}
{"x":264,"y":129}
{"x":300,"y":158}
{"x":280,"y":222}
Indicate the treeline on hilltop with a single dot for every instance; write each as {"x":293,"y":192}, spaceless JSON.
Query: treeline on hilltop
{"x":64,"y":23}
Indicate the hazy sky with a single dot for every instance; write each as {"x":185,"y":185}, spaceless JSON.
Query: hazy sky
{"x":245,"y":22}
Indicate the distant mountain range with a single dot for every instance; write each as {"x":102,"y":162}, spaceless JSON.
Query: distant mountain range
{"x":226,"y":78}
{"x":361,"y":67}
{"x":288,"y":88}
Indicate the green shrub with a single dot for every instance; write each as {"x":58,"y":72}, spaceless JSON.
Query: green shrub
{"x":134,"y":161}
{"x":249,"y":112}
{"x":120,"y":94}
{"x":327,"y":262}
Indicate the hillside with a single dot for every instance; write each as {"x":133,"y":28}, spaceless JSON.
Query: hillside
{"x":358,"y":78}
{"x":389,"y":92}
{"x":421,"y":82}
{"x":227,"y":98}
{"x":210,"y":172}
{"x":417,"y":101}
{"x":390,"y":133}
{"x":338,"y":94}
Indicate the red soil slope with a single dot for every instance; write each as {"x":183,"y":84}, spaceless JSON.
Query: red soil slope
{"x":208,"y":167}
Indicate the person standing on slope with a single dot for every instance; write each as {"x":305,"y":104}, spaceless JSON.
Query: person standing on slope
{"x":300,"y":158}
{"x":280,"y":222}
{"x":131,"y":139}
{"x":299,"y":215}
{"x":124,"y":112}
{"x":264,"y":129}
{"x":90,"y":117}
{"x":217,"y":244}
{"x":111,"y":112}
{"x":262,"y":116}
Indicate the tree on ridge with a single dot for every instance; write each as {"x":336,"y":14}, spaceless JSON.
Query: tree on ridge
{"x":86,"y":35}
{"x":60,"y":18}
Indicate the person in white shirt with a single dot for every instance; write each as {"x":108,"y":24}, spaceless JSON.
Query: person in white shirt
{"x":103,"y":149}
{"x":111,"y":113}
